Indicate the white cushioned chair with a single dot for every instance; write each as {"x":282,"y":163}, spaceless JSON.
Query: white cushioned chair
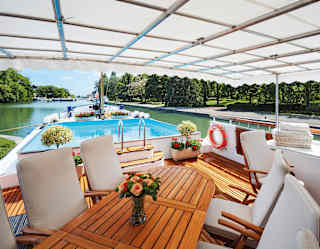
{"x":7,"y":239}
{"x":259,"y":212}
{"x":307,"y":240}
{"x":50,"y":188}
{"x":101,"y":163}
{"x":295,"y":210}
{"x":258,"y":156}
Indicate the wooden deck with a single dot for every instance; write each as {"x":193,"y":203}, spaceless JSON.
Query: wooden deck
{"x":223,"y":171}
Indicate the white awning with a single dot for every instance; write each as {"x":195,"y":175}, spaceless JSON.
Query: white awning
{"x":229,"y":41}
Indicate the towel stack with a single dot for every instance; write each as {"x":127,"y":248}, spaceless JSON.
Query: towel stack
{"x":293,"y":135}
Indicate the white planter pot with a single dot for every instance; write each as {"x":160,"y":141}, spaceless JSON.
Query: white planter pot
{"x":184,"y":154}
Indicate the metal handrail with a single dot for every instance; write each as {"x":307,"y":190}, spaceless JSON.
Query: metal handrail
{"x":120,"y":126}
{"x":144,"y":131}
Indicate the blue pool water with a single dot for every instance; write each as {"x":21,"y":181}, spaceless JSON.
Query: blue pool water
{"x":83,"y":130}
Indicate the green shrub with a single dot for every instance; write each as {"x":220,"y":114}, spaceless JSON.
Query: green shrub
{"x":5,"y":146}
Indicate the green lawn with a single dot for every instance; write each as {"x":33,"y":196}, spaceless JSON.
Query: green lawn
{"x":5,"y":146}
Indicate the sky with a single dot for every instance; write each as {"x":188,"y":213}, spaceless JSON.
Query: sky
{"x":77,"y":82}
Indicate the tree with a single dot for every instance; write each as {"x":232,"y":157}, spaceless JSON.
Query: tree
{"x":112,"y":86}
{"x":123,"y":87}
{"x":204,"y":91}
{"x":52,"y":92}
{"x":155,"y":87}
{"x":137,"y":89}
{"x":14,"y":87}
{"x":308,"y":92}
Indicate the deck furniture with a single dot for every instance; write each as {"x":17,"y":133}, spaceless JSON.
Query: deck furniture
{"x":294,"y":210}
{"x":101,"y":163}
{"x":257,"y":156}
{"x":307,"y":240}
{"x":50,"y":189}
{"x":7,"y":239}
{"x":175,"y":220}
{"x":259,"y":212}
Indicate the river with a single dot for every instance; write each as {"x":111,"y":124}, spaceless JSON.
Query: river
{"x":17,"y":115}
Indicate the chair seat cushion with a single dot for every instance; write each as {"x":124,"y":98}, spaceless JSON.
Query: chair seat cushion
{"x":307,"y":240}
{"x":214,"y":213}
{"x":205,"y":245}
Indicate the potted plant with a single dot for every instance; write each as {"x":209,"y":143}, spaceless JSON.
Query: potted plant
{"x":57,"y":135}
{"x":136,"y":186}
{"x":186,"y":147}
{"x":78,"y":162}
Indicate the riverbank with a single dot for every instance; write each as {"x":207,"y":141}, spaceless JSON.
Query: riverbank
{"x":6,"y":145}
{"x":221,"y":112}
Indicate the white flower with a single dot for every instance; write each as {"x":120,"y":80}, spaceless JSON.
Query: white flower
{"x":57,"y":135}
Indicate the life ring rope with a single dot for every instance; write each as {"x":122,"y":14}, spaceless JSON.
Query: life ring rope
{"x":218,"y":128}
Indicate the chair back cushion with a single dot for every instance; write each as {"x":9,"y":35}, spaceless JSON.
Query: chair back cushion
{"x":101,"y":163}
{"x":294,"y":210}
{"x":7,"y":240}
{"x":256,"y":150}
{"x":270,"y":190}
{"x":50,"y":188}
{"x":307,"y":240}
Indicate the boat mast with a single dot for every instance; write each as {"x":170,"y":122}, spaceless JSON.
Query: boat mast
{"x":102,"y":94}
{"x":277,"y":101}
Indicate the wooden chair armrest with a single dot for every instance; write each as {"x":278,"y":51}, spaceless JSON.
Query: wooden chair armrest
{"x":256,"y":171}
{"x":37,"y":231}
{"x":30,"y":239}
{"x":242,"y":190}
{"x":239,"y":229}
{"x":242,"y":222}
{"x":131,"y":172}
{"x":94,"y":193}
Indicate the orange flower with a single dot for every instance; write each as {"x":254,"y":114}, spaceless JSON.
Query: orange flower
{"x":135,"y":178}
{"x":123,"y":186}
{"x":136,"y":189}
{"x":148,"y":181}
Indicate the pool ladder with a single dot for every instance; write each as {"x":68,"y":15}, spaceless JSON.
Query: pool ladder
{"x":120,"y":132}
{"x":141,"y":121}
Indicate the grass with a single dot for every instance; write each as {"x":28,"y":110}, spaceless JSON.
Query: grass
{"x":5,"y":146}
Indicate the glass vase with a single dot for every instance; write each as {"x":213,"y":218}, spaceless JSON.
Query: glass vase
{"x":138,"y":216}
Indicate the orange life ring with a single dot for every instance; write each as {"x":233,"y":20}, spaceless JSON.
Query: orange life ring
{"x":218,"y":128}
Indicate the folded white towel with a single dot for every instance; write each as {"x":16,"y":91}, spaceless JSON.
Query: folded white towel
{"x":298,"y":127}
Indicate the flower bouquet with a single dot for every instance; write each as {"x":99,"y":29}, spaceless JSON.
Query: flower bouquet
{"x":137,"y":186}
{"x":57,"y":135}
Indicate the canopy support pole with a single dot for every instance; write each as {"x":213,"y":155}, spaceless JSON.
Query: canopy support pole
{"x":102,"y":94}
{"x":59,"y":20}
{"x":7,"y":53}
{"x":277,"y":101}
{"x":175,"y":6}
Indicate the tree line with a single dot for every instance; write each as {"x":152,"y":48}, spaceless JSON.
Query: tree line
{"x":176,"y":91}
{"x":16,"y":88}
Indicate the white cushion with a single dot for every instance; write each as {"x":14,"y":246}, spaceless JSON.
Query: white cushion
{"x":307,"y":240}
{"x":205,"y":245}
{"x":50,"y":188}
{"x":214,"y":213}
{"x":256,"y":150}
{"x":7,"y":240}
{"x":270,"y":190}
{"x":295,"y":209}
{"x":101,"y":163}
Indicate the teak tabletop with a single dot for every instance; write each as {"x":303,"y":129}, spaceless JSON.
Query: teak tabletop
{"x":173,"y":221}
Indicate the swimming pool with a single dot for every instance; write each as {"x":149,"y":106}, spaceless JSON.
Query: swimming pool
{"x":83,"y":130}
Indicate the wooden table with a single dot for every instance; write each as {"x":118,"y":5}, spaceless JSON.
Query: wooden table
{"x":173,"y":221}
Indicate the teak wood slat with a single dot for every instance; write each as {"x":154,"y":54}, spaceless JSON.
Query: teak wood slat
{"x":174,"y":221}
